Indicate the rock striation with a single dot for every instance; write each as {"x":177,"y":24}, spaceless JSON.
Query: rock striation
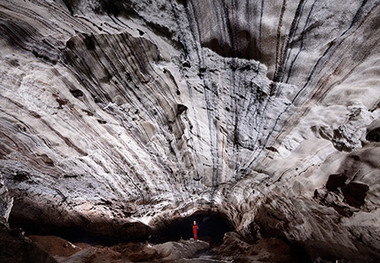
{"x":119,"y":117}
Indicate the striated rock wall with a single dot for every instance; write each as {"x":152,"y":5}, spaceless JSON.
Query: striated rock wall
{"x":117,"y":113}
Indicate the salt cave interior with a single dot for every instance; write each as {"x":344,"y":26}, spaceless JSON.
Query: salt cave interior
{"x":123,"y":121}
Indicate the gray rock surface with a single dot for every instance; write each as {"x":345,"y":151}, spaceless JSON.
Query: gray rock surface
{"x":116,"y":116}
{"x":6,"y":202}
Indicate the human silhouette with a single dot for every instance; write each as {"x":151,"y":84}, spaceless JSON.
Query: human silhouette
{"x":195,"y":230}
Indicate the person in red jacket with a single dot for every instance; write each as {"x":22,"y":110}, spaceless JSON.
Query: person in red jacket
{"x":195,"y":230}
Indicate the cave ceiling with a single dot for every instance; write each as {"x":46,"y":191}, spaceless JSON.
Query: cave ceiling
{"x":137,"y":111}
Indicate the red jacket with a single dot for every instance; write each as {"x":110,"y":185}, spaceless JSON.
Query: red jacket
{"x":195,"y":228}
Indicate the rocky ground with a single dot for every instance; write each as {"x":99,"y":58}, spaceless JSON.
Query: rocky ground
{"x":234,"y":249}
{"x":15,"y":247}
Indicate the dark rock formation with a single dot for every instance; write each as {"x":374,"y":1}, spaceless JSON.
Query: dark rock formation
{"x":264,"y":250}
{"x":16,"y":248}
{"x":119,"y":117}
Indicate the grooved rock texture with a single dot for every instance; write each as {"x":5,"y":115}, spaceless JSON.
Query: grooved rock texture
{"x":117,"y":117}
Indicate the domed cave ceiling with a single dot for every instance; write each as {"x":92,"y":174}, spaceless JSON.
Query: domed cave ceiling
{"x":121,"y":117}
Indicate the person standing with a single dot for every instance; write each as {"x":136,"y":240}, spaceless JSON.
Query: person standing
{"x":195,"y":230}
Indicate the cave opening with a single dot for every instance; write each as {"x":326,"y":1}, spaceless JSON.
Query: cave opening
{"x":211,"y":228}
{"x":73,"y":234}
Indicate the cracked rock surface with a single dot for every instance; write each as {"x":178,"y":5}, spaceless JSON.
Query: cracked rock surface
{"x":119,"y":117}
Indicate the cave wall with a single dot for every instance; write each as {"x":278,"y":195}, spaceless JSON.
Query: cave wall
{"x":120,"y":112}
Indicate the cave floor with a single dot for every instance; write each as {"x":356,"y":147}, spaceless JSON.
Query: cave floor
{"x":180,"y":251}
{"x":185,"y":251}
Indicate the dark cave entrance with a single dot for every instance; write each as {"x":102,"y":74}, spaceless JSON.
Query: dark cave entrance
{"x":212,"y":227}
{"x":74,"y":234}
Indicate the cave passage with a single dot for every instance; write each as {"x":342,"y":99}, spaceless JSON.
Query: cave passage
{"x":212,"y":227}
{"x":74,"y":234}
